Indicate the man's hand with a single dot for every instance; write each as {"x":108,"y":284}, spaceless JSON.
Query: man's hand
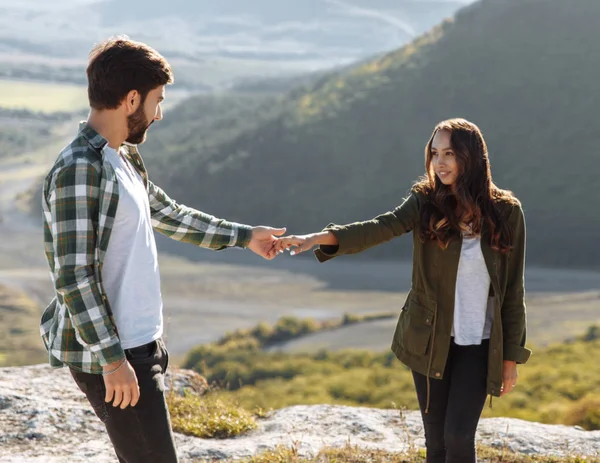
{"x":263,"y":241}
{"x":509,"y":376}
{"x":122,"y":385}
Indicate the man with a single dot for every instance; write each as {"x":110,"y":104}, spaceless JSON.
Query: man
{"x":105,"y":322}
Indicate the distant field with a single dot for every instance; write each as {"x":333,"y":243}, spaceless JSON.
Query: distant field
{"x":42,"y":97}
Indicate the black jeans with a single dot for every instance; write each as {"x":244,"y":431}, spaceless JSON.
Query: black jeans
{"x":140,"y":434}
{"x":456,"y":403}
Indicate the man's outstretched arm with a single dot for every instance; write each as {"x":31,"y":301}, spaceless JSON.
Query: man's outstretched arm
{"x":189,"y":225}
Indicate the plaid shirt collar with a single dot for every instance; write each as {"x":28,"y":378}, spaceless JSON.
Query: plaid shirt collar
{"x":93,"y":137}
{"x":98,"y":142}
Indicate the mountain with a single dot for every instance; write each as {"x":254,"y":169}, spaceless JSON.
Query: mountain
{"x":350,"y":145}
{"x":211,"y":43}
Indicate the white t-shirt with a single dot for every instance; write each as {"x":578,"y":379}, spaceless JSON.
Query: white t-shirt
{"x":473,"y":308}
{"x":130,"y":272}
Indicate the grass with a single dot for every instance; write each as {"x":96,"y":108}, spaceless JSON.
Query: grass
{"x":208,"y":416}
{"x":42,"y":97}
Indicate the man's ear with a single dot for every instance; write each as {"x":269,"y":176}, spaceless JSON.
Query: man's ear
{"x":132,"y":102}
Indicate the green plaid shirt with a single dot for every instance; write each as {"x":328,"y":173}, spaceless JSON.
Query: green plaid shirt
{"x":80,"y":199}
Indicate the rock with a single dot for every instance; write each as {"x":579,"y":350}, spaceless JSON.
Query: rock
{"x":182,"y":381}
{"x":44,"y":418}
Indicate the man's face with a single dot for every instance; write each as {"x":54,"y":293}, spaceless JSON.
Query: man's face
{"x":146,"y":113}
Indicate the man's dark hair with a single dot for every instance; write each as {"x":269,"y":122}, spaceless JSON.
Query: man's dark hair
{"x":119,"y":65}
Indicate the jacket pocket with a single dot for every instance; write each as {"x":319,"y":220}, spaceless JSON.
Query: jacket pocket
{"x":415,"y":327}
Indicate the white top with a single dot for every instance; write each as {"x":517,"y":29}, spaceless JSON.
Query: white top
{"x":130,"y":272}
{"x":473,"y":308}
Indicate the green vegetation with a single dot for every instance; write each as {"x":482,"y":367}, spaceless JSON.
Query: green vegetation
{"x":42,"y":96}
{"x":20,"y":342}
{"x":208,"y":416}
{"x":556,"y":386}
{"x":349,"y":145}
{"x":217,"y":115}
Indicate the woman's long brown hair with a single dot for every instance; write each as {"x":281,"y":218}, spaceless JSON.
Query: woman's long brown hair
{"x":469,"y":203}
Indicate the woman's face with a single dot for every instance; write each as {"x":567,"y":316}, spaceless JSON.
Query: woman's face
{"x":443,"y":159}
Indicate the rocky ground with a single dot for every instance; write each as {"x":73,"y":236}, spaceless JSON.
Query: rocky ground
{"x":45,"y":418}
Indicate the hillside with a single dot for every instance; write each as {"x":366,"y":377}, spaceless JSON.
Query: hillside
{"x":351,"y":145}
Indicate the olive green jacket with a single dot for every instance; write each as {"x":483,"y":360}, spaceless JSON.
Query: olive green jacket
{"x":423,"y":334}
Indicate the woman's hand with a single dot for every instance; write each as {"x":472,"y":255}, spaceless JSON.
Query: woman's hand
{"x":301,"y":243}
{"x":509,"y":376}
{"x":297,"y":243}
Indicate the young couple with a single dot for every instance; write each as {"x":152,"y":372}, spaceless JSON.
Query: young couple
{"x":461,"y":330}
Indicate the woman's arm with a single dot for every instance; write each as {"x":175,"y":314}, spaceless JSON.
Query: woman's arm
{"x":356,"y":237}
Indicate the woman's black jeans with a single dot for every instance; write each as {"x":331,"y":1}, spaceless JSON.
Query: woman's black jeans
{"x":456,"y":403}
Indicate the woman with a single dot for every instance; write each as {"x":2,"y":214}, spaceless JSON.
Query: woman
{"x":462,"y":328}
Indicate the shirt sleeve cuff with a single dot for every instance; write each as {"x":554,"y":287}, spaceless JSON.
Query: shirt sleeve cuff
{"x":108,"y":352}
{"x":244,"y":235}
{"x":516,"y":353}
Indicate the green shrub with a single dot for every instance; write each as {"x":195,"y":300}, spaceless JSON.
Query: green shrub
{"x":208,"y":416}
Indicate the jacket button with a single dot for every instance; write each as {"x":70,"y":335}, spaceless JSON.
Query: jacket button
{"x":438,"y":374}
{"x":495,"y":351}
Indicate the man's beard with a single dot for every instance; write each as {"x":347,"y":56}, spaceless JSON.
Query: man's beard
{"x":138,"y":126}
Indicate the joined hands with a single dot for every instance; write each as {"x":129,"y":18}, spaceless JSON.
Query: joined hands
{"x":267,"y":242}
